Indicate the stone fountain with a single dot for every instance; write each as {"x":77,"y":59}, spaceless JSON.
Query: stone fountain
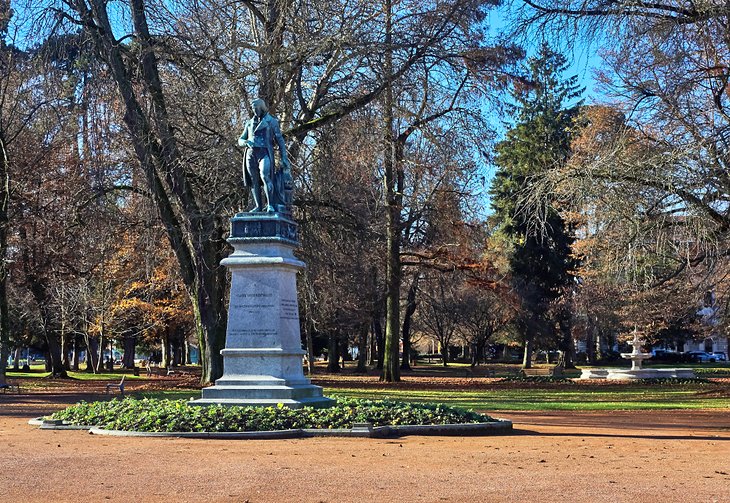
{"x":635,"y":372}
{"x":636,"y":356}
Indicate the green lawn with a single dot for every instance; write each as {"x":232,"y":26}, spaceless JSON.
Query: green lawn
{"x":81,"y":376}
{"x":583,"y":397}
{"x":512,"y":396}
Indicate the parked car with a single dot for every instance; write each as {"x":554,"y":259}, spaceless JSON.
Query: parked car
{"x":700,"y":356}
{"x":667,"y":356}
{"x":720,"y":356}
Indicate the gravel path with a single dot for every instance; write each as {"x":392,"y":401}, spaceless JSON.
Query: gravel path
{"x":553,"y":456}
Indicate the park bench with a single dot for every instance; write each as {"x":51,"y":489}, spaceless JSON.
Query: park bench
{"x":10,"y":386}
{"x":166,"y":371}
{"x":158,"y":371}
{"x":119,"y":385}
{"x":542,"y":371}
{"x":177,"y":371}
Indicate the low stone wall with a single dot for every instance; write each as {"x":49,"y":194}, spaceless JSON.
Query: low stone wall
{"x":619,"y":374}
{"x":366,"y":430}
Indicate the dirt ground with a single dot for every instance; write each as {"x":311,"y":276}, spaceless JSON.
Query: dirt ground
{"x":552,"y":456}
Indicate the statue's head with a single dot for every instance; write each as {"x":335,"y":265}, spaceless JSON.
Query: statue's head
{"x":259,"y":107}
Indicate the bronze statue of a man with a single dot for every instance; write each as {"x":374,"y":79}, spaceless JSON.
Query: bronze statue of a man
{"x":259,"y":167}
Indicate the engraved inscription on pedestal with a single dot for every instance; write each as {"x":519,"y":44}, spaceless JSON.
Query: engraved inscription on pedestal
{"x":253,"y":333}
{"x":252,"y":303}
{"x":289,"y":309}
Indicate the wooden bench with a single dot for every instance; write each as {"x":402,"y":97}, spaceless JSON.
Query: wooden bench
{"x":178,"y":371}
{"x":119,"y":385}
{"x":542,"y":371}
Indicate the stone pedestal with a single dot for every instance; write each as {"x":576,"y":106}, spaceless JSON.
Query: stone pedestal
{"x":262,"y":359}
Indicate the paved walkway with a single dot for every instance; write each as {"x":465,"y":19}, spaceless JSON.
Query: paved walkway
{"x":646,"y":456}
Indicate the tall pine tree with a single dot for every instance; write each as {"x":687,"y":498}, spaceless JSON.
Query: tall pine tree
{"x":540,"y":260}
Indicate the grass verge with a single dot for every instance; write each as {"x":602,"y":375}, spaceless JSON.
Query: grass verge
{"x":599,"y":398}
{"x":536,"y":398}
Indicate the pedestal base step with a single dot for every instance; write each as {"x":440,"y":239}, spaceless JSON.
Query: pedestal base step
{"x":319,"y":402}
{"x":264,"y":391}
{"x":261,"y":381}
{"x":271,"y":392}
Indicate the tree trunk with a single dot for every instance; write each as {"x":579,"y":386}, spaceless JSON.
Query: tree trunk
{"x":376,"y":341}
{"x":379,"y":341}
{"x":527,"y":355}
{"x":445,"y":354}
{"x":4,"y":204}
{"x":63,"y":338}
{"x":407,"y":316}
{"x":362,"y":350}
{"x":76,"y":351}
{"x":567,"y":347}
{"x":591,"y":341}
{"x":212,"y":323}
{"x":100,"y":356}
{"x":482,"y":349}
{"x":110,"y":361}
{"x":16,"y":358}
{"x":165,"y":347}
{"x":130,"y":346}
{"x":391,"y":363}
{"x":177,"y":352}
{"x":473,"y":354}
{"x":333,"y":353}
{"x":186,"y":351}
{"x":57,"y":368}
{"x":344,"y":347}
{"x":92,"y":353}
{"x":372,"y":347}
{"x":308,"y":329}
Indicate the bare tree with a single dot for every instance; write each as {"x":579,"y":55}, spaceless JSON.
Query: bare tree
{"x":484,"y":312}
{"x":440,"y":314}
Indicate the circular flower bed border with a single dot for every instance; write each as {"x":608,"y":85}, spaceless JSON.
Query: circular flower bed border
{"x":348,"y":418}
{"x":366,"y":430}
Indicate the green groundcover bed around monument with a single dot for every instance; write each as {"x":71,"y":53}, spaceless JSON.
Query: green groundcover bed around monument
{"x":155,"y":415}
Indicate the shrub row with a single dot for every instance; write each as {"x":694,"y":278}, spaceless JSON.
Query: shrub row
{"x":713,"y":372}
{"x":538,"y":379}
{"x":670,"y":381}
{"x":154,"y":415}
{"x":661,"y":381}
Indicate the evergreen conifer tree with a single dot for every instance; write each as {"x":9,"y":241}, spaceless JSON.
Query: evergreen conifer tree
{"x":541,"y":261}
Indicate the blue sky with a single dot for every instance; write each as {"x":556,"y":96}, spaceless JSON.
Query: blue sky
{"x":584,"y":59}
